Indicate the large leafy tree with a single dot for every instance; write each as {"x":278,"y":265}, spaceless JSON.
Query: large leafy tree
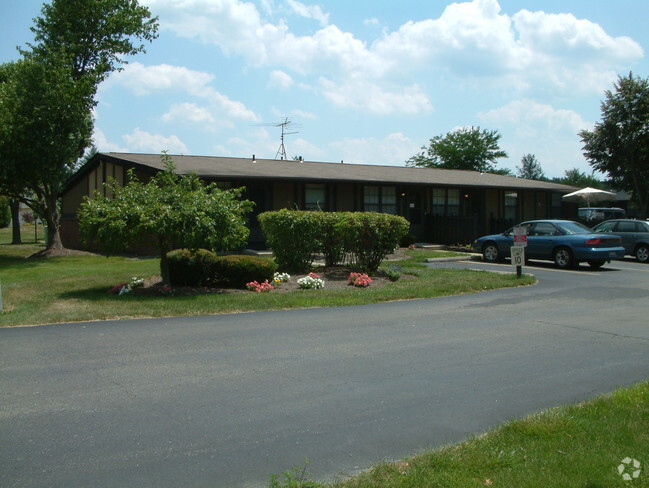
{"x":96,"y":35}
{"x":46,"y":98}
{"x":530,"y":168}
{"x":169,"y":211}
{"x":469,"y":148}
{"x":45,"y":124}
{"x":619,"y":144}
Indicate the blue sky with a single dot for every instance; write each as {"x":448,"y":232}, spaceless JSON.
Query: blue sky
{"x":364,"y":81}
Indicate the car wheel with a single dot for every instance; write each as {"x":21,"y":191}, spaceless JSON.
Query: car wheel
{"x":642,"y":253}
{"x":596,"y":264}
{"x":490,"y":252}
{"x":563,"y":258}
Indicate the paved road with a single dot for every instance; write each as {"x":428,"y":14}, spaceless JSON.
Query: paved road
{"x":225,"y":401}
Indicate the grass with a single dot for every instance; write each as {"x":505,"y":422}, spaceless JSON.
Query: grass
{"x":73,"y":288}
{"x":578,"y":445}
{"x":425,"y":254}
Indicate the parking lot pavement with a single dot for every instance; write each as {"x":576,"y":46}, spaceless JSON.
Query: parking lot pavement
{"x":226,"y":400}
{"x":534,"y":267}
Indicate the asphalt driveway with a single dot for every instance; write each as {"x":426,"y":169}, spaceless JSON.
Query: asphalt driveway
{"x":224,"y":401}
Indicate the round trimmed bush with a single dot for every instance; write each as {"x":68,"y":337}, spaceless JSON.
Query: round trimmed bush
{"x":191,"y":268}
{"x":236,"y":271}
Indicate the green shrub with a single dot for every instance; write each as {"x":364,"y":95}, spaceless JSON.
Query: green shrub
{"x":293,"y":237}
{"x":187,"y":268}
{"x":330,"y":227}
{"x":370,"y":237}
{"x":236,"y":271}
{"x":393,"y":273}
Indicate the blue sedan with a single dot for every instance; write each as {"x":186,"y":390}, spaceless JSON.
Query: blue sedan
{"x":565,"y":242}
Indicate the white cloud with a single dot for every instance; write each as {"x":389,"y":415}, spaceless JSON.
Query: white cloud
{"x":361,"y":94}
{"x":565,"y":36}
{"x":394,"y":149}
{"x":142,"y":141}
{"x":279,"y":79}
{"x":534,"y":119}
{"x":309,"y":11}
{"x":531,"y":127}
{"x":557,"y":53}
{"x":188,"y":112}
{"x":102,"y":143}
{"x":303,"y":114}
{"x":145,"y":80}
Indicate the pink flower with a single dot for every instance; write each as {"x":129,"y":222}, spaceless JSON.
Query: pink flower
{"x":259,"y":287}
{"x":359,"y":279}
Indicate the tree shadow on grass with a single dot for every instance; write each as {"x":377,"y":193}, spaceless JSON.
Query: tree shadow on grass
{"x":7,"y":262}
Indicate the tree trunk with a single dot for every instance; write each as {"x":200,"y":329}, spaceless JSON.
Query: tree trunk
{"x":14,"y":205}
{"x":53,"y":219}
{"x":163,"y":249}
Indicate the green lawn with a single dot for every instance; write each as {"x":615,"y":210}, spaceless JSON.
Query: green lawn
{"x":578,"y":446}
{"x":73,"y":288}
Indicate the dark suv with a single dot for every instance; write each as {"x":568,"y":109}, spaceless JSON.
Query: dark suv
{"x":634,"y":234}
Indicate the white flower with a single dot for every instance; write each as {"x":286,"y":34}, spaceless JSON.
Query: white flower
{"x":281,"y":277}
{"x":309,"y":282}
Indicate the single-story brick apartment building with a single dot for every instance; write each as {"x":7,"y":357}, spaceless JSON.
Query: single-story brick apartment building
{"x":443,"y":206}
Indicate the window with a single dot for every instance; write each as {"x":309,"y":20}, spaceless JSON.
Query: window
{"x":626,"y":227}
{"x":315,"y":197}
{"x":606,"y":227}
{"x":446,"y":201}
{"x":453,"y":202}
{"x":439,"y":201}
{"x":556,"y":200}
{"x":511,"y":205}
{"x":380,"y":199}
{"x":543,"y":229}
{"x":389,"y":199}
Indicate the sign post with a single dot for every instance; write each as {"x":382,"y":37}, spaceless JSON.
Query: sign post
{"x":518,"y":249}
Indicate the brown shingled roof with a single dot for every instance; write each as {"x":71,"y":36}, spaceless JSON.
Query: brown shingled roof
{"x":246,"y":168}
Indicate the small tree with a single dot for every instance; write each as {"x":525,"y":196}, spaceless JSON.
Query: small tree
{"x":172,"y":210}
{"x":530,"y":168}
{"x":469,"y":148}
{"x":575,"y":177}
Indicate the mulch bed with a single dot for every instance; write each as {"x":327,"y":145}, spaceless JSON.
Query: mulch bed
{"x":335,"y":278}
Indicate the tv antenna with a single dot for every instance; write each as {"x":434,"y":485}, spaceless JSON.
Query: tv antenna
{"x":284,"y":126}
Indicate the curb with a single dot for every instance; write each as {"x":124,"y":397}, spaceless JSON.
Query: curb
{"x":469,"y":256}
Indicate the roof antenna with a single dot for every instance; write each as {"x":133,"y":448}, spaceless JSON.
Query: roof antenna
{"x":281,"y":152}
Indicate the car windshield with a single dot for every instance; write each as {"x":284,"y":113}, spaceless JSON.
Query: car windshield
{"x":574,"y":228}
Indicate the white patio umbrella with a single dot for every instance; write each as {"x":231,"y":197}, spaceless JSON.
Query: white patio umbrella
{"x":589,"y":195}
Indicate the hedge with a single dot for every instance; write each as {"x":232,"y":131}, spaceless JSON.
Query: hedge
{"x":370,"y":237}
{"x":236,"y":271}
{"x":364,"y":238}
{"x":187,"y":268}
{"x":293,"y":236}
{"x":205,"y":268}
